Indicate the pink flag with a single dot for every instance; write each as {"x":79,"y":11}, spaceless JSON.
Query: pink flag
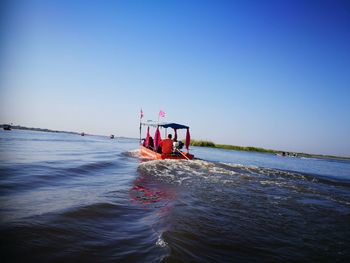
{"x":141,"y":114}
{"x":161,"y":114}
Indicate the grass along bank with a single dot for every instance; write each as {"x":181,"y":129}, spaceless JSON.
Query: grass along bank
{"x":201,"y":143}
{"x":230,"y":147}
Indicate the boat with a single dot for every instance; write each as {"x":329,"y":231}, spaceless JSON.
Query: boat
{"x":7,"y":127}
{"x":148,"y":151}
{"x":112,"y":136}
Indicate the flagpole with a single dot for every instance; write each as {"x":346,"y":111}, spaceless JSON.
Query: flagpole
{"x":140,"y":131}
{"x":141,"y":115}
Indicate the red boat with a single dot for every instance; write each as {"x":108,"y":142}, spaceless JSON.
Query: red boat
{"x":152,"y":151}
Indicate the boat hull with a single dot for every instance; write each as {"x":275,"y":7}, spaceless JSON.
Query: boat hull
{"x":145,"y":152}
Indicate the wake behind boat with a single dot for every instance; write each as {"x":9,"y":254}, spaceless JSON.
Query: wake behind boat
{"x":157,"y":149}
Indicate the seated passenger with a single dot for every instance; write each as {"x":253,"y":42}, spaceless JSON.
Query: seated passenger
{"x":167,"y":145}
{"x":150,"y":143}
{"x":178,"y":145}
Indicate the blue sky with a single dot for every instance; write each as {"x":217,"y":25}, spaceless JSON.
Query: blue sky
{"x":273,"y":74}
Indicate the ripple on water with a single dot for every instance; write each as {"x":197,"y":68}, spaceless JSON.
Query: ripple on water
{"x":92,"y":199}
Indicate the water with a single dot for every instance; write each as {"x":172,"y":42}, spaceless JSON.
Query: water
{"x":68,"y":198}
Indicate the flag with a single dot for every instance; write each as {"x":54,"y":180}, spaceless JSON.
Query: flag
{"x":141,"y":114}
{"x":161,"y":114}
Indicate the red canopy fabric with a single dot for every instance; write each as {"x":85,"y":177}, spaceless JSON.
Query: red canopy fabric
{"x":157,"y":138}
{"x":147,"y":138}
{"x":188,"y":138}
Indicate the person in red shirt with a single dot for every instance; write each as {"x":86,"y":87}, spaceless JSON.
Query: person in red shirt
{"x":167,"y":145}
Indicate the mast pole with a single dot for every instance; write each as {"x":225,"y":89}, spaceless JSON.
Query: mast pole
{"x":141,"y":116}
{"x":140,"y":131}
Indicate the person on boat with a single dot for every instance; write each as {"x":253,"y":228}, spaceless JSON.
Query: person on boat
{"x":178,"y":145}
{"x":150,"y":142}
{"x":167,"y":145}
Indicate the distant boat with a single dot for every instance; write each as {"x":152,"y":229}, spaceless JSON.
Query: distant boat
{"x":287,"y":154}
{"x":112,"y":136}
{"x":7,"y":127}
{"x":82,"y":134}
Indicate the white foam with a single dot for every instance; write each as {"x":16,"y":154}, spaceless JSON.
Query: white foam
{"x":134,"y":153}
{"x":238,"y":165}
{"x":160,"y":242}
{"x":183,"y":171}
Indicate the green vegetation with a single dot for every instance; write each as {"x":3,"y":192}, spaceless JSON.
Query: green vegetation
{"x":230,"y":147}
{"x":201,"y":143}
{"x":245,"y":148}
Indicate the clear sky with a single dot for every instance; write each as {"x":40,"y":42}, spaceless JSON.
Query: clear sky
{"x":272,"y":74}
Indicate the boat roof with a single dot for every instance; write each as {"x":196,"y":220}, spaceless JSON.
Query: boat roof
{"x":164,"y":124}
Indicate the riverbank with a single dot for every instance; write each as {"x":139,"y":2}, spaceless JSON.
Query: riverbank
{"x":19,"y":127}
{"x":210,"y":144}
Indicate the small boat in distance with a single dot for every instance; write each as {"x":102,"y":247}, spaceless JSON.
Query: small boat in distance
{"x":153,"y":151}
{"x":112,"y":136}
{"x":82,"y":134}
{"x":7,"y":127}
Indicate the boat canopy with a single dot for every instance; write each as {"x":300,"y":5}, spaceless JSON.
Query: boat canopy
{"x":157,"y":138}
{"x":165,"y":125}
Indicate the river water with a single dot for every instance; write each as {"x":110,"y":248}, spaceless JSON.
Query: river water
{"x":68,"y":198}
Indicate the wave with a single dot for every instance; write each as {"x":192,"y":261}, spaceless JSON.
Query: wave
{"x":94,"y":211}
{"x":132,"y":153}
{"x":180,"y":171}
{"x":43,"y":174}
{"x":90,"y":167}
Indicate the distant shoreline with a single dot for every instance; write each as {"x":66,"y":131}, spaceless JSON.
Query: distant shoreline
{"x":201,"y":143}
{"x":19,"y":127}
{"x":210,"y":144}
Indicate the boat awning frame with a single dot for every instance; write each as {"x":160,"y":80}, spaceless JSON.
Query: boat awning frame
{"x":164,"y":125}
